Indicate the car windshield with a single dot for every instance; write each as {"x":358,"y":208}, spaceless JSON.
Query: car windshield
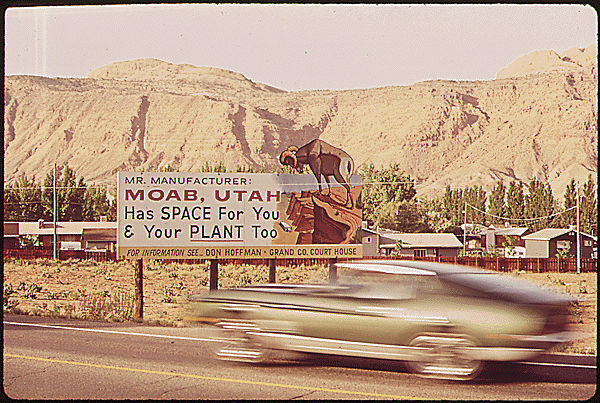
{"x":388,"y":286}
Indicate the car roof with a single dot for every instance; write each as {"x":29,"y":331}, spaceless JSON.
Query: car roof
{"x":409,"y":267}
{"x":488,"y":281}
{"x":385,"y":268}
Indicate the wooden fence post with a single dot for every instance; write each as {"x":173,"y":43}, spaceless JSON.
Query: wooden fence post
{"x":214,"y":274}
{"x":138,"y":309}
{"x":272,"y":271}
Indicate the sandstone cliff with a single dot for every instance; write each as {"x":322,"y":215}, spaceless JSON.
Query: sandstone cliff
{"x":538,"y":118}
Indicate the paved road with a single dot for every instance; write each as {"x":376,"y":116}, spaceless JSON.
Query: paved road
{"x":47,"y":358}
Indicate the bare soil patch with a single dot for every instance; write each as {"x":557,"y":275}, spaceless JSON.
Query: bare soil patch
{"x":104,"y":290}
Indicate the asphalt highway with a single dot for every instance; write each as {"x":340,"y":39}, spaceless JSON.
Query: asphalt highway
{"x":47,"y":358}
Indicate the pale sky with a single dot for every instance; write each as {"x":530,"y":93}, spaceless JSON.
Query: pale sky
{"x":296,"y":47}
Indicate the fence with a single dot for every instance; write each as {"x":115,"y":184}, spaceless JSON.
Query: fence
{"x":536,"y":265}
{"x":502,"y":264}
{"x":101,"y":256}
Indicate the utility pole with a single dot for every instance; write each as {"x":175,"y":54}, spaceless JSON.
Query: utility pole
{"x":465,"y":233}
{"x":138,"y":302}
{"x":578,"y":234}
{"x":54,"y":211}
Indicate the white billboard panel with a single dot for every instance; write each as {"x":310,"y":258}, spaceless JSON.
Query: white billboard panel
{"x":234,"y":215}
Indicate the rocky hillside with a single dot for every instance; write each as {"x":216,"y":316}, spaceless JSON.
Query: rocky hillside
{"x":538,"y":118}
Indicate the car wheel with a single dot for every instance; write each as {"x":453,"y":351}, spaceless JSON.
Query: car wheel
{"x":444,"y":356}
{"x":237,"y":346}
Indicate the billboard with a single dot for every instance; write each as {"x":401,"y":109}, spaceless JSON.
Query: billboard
{"x":172,"y":215}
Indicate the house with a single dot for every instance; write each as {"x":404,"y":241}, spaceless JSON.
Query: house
{"x":503,"y":240}
{"x":99,"y":239}
{"x":551,"y":242}
{"x":69,"y":234}
{"x":472,"y":237}
{"x":506,"y":240}
{"x":420,"y":244}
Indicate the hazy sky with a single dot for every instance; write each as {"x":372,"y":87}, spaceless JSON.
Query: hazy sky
{"x":296,"y":47}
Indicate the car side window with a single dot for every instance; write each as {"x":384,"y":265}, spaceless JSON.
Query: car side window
{"x":392,"y":290}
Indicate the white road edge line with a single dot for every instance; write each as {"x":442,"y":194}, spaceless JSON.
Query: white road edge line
{"x":556,"y":364}
{"x":216,"y":340}
{"x":110,"y":331}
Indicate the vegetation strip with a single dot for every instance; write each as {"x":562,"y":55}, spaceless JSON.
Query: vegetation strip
{"x":211,"y":378}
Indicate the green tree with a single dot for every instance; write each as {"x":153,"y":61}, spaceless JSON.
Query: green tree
{"x":570,"y":200}
{"x":78,"y":200}
{"x":11,"y":203}
{"x":167,"y":168}
{"x":48,"y":197}
{"x":539,"y":202}
{"x":515,"y":200}
{"x":589,"y":207}
{"x":497,"y":203}
{"x":436,"y":218}
{"x":405,"y":216}
{"x":394,"y":185}
{"x":65,"y":193}
{"x":96,"y":203}
{"x":23,"y":200}
{"x":383,"y":186}
{"x":29,"y":199}
{"x":70,"y":196}
{"x":213,"y":168}
{"x":476,"y":198}
{"x":368,"y":191}
{"x":454,"y":205}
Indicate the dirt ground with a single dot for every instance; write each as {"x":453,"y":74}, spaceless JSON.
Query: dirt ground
{"x":104,"y":290}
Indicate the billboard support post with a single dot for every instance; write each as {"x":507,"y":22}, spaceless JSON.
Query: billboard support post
{"x":138,"y":313}
{"x":214,"y":274}
{"x":332,"y":271}
{"x":272,"y":271}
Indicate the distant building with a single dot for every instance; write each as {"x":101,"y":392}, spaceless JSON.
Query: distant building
{"x":70,"y":235}
{"x":505,"y":240}
{"x":551,"y":241}
{"x":11,"y":235}
{"x":370,"y":241}
{"x":419,"y":244}
{"x":99,"y":239}
{"x":473,"y":238}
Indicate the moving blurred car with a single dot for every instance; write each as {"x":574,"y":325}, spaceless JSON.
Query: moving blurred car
{"x":443,"y":320}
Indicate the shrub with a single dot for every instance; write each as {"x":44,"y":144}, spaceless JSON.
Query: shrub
{"x":32,"y":290}
{"x":106,"y":306}
{"x":8,"y":302}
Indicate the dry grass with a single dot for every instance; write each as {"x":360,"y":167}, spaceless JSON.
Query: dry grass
{"x":104,"y":291}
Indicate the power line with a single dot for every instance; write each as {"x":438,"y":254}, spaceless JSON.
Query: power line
{"x":520,"y":219}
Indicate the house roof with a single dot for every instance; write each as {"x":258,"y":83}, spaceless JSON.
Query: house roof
{"x":514,"y":231}
{"x":481,"y":230}
{"x":473,"y":228}
{"x":99,"y":234}
{"x":424,"y":240}
{"x":62,"y":227}
{"x":551,"y":233}
{"x":370,"y":231}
